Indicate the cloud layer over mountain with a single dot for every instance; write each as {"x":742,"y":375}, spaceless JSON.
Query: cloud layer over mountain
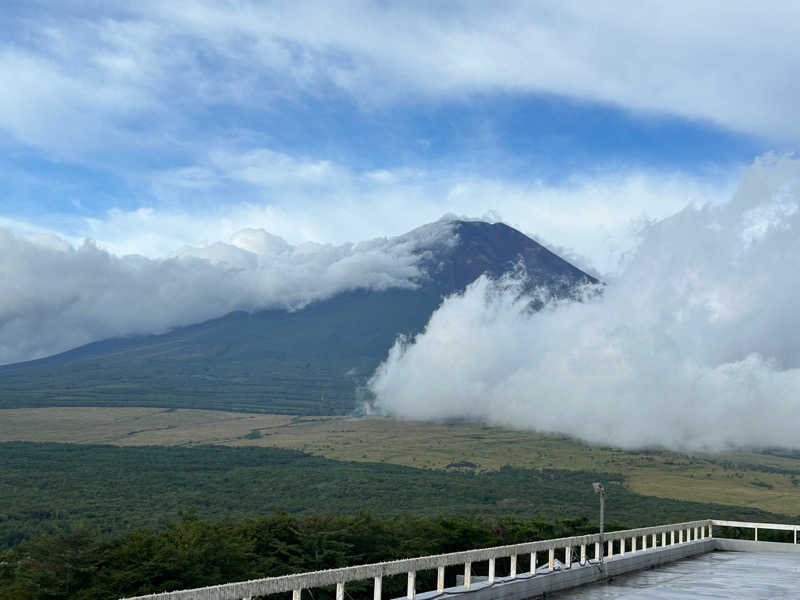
{"x":54,"y":296}
{"x":59,"y":291}
{"x":695,"y":345}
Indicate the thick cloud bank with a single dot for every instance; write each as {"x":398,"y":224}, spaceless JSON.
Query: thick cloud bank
{"x":695,"y":346}
{"x":54,"y":296}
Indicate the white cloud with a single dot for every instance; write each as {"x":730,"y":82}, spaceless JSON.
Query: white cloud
{"x":595,"y":215}
{"x":54,"y":296}
{"x":693,"y":346}
{"x":132,"y":74}
{"x":68,"y":110}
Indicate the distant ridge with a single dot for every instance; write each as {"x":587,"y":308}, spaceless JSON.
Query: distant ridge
{"x":309,"y":361}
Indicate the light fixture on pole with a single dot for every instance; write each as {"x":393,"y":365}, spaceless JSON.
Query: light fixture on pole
{"x":601,"y":491}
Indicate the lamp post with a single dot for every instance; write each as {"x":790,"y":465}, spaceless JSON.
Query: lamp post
{"x":601,"y":491}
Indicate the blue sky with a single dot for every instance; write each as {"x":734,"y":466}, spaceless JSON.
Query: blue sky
{"x":318,"y":121}
{"x":520,"y":137}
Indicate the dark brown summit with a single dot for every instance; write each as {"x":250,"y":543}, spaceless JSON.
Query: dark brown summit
{"x":496,"y":249}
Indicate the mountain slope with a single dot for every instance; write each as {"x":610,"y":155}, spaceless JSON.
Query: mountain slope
{"x":309,"y":361}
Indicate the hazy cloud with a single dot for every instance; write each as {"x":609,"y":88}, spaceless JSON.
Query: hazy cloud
{"x":54,"y":296}
{"x":693,"y":346}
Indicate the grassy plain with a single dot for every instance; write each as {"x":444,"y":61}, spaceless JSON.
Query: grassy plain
{"x":769,"y":482}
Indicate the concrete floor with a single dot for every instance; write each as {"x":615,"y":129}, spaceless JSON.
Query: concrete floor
{"x":714,"y":575}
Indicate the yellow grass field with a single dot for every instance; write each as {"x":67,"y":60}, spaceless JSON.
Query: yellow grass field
{"x":741,"y":479}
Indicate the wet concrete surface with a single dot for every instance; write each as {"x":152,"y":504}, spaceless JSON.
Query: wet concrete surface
{"x":712,"y":575}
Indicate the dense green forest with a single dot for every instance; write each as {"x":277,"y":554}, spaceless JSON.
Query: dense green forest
{"x":45,"y":487}
{"x":77,"y":563}
{"x":86,"y":522}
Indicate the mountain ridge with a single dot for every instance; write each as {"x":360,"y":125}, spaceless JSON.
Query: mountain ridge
{"x":307,"y":361}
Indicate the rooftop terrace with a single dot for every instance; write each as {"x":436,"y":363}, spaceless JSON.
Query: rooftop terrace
{"x":713,"y":575}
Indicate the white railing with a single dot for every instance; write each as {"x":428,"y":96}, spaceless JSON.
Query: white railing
{"x":627,"y":541}
{"x":757,"y":526}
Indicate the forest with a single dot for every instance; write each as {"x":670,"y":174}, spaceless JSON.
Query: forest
{"x":79,"y":564}
{"x":86,"y":522}
{"x":46,"y":487}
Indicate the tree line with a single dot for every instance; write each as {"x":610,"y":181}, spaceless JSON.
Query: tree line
{"x":77,"y":563}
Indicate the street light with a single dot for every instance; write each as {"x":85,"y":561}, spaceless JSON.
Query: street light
{"x":601,"y":491}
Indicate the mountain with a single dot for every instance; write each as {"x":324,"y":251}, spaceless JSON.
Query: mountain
{"x":307,"y":361}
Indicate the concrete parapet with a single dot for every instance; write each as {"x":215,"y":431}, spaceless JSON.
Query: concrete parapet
{"x":692,"y":538}
{"x":339,"y":577}
{"x":522,"y":588}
